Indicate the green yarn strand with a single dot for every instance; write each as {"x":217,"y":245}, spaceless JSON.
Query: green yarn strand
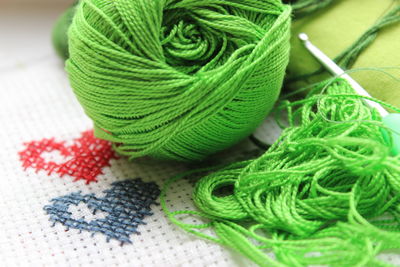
{"x":326,"y":192}
{"x":177,"y":79}
{"x":349,"y":56}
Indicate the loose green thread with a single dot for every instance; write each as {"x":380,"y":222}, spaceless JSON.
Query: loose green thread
{"x":327,"y":192}
{"x":177,"y":79}
{"x":349,"y":56}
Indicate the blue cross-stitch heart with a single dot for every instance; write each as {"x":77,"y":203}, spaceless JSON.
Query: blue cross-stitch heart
{"x":126,"y":204}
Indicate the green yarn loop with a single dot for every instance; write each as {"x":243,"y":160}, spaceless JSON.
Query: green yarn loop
{"x":326,"y":193}
{"x":177,"y":79}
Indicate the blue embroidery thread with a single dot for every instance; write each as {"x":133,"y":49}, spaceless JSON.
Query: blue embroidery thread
{"x":126,"y":204}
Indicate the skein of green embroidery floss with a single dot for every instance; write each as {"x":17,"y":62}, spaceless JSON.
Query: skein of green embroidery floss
{"x":177,"y":79}
{"x":326,"y":193}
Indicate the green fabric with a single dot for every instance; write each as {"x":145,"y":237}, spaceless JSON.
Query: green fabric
{"x":335,"y":28}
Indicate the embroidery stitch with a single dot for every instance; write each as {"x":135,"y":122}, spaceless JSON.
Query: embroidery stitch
{"x":126,"y":204}
{"x":88,"y":156}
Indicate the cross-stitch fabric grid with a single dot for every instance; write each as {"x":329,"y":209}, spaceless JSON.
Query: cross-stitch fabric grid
{"x":48,"y":218}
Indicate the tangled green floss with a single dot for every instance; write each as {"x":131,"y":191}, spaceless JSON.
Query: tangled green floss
{"x":177,"y":79}
{"x":326,"y":193}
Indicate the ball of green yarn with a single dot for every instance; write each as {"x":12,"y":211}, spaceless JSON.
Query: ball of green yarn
{"x":177,"y":79}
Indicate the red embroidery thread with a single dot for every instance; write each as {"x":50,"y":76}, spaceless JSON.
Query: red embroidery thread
{"x":88,"y":156}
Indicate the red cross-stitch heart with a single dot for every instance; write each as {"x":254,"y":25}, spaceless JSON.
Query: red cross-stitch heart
{"x":84,"y":159}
